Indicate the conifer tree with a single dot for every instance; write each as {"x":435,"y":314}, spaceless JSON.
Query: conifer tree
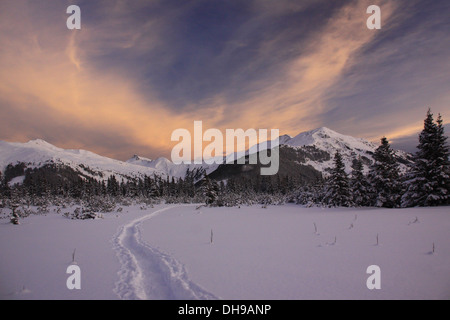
{"x":337,"y":188}
{"x":384,"y":177}
{"x":14,"y":203}
{"x":210,"y":190}
{"x":359,"y":184}
{"x":441,"y":168}
{"x":427,"y":182}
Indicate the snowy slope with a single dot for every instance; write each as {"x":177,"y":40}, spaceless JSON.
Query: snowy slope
{"x":169,"y":168}
{"x":142,"y":161}
{"x":330,"y":141}
{"x":37,"y":153}
{"x":327,"y":139}
{"x":316,"y":149}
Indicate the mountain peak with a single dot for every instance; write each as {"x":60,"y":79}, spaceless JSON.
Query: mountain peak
{"x":324,"y":130}
{"x":329,"y":140}
{"x":38,"y":153}
{"x":40,"y":143}
{"x":284,"y":138}
{"x":135,"y":158}
{"x":162,"y":160}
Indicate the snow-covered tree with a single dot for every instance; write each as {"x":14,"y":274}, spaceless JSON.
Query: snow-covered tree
{"x":337,"y":187}
{"x":360,"y":187}
{"x":310,"y":195}
{"x":427,"y":182}
{"x":441,"y":168}
{"x":210,"y":190}
{"x":14,"y":204}
{"x":384,"y":177}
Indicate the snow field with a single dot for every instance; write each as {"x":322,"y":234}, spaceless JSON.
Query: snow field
{"x":37,"y":253}
{"x":147,"y":273}
{"x":166,"y":252}
{"x":274,"y":253}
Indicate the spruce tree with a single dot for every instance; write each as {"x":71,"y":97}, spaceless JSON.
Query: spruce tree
{"x":427,"y":182}
{"x":337,"y":188}
{"x":359,"y":184}
{"x":441,"y":168}
{"x":384,"y":177}
{"x":13,"y":204}
{"x":210,"y":190}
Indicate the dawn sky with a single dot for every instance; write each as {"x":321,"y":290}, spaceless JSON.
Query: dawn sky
{"x":137,"y":70}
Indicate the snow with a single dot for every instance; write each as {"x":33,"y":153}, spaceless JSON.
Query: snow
{"x":326,"y":139}
{"x":139,"y":160}
{"x":37,"y":153}
{"x":284,"y":138}
{"x":331,"y":141}
{"x":17,"y":180}
{"x":147,"y":273}
{"x":169,"y":168}
{"x":274,"y":254}
{"x":36,"y":255}
{"x":323,"y":138}
{"x":166,"y":252}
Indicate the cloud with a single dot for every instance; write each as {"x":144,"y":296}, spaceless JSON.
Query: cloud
{"x":46,"y":75}
{"x":396,"y":77}
{"x":137,"y":70}
{"x":295,"y":98}
{"x":409,"y":143}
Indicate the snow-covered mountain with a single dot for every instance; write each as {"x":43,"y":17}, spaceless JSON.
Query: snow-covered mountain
{"x":327,"y":139}
{"x":174,"y":170}
{"x":313,"y":149}
{"x":310,"y":155}
{"x":38,"y":153}
{"x":330,"y":141}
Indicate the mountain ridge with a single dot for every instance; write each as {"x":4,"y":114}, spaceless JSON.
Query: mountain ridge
{"x":37,"y":153}
{"x":350,"y":147}
{"x":306,"y":147}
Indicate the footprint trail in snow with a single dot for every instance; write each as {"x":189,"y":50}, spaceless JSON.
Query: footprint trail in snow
{"x":147,"y":273}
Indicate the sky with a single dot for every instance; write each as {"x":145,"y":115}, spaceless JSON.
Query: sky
{"x":138,"y":70}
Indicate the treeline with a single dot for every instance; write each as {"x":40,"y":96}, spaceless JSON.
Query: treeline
{"x":56,"y":184}
{"x":56,"y":180}
{"x":426,"y":183}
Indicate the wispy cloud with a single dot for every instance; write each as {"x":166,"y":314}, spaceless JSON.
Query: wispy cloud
{"x":404,"y":70}
{"x":295,"y":99}
{"x":51,"y":75}
{"x":140,"y":69}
